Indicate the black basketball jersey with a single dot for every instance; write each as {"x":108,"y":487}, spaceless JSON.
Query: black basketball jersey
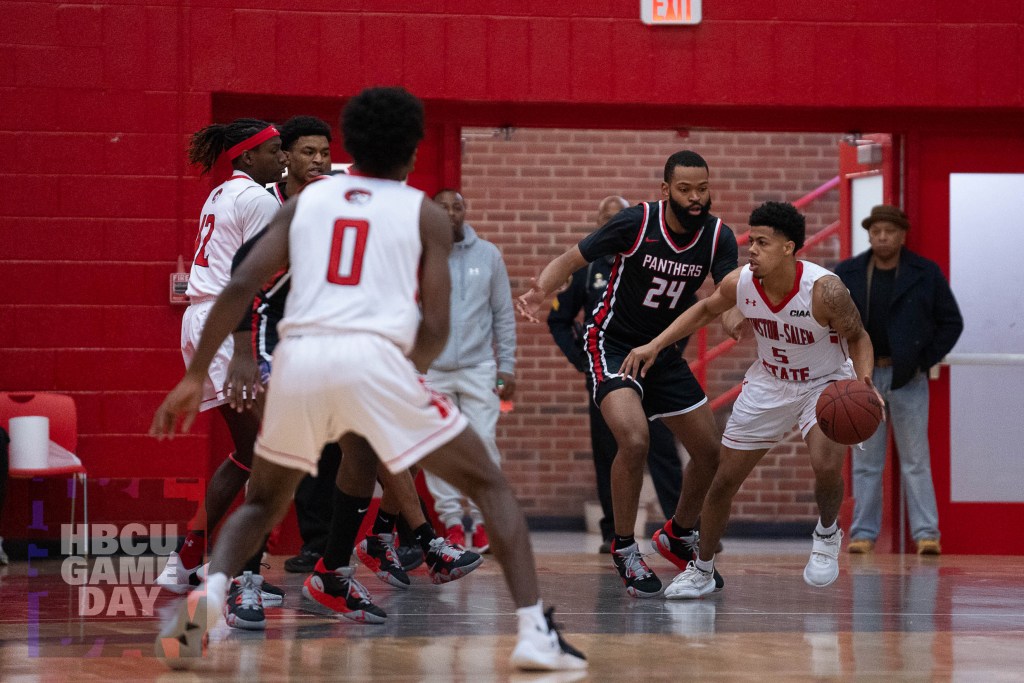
{"x":267,"y":307}
{"x":656,"y":273}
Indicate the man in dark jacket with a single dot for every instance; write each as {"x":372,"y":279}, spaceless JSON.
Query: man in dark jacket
{"x":914,"y":321}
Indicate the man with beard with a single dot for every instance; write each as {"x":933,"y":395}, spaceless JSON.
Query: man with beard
{"x":585,"y":292}
{"x":663,"y":252}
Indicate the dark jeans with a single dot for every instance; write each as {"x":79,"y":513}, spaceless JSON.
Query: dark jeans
{"x":313,"y":501}
{"x":662,"y":461}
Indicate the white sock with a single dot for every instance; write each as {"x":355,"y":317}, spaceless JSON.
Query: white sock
{"x":706,"y":566}
{"x":532,"y":617}
{"x":822,"y":531}
{"x":216,"y":590}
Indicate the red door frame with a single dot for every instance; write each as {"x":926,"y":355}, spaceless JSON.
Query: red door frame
{"x":966,"y":527}
{"x":850,"y":168}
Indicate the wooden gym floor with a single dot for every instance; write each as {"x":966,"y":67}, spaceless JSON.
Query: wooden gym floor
{"x":888,"y":617}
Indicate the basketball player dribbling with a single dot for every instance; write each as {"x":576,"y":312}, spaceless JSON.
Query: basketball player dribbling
{"x":663,"y":252}
{"x":809,"y":334}
{"x":235,"y":211}
{"x":368,"y":309}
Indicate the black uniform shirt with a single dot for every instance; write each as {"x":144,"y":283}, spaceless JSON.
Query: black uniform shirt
{"x":656,"y":272}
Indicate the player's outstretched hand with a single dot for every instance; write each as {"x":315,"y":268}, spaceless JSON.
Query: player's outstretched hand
{"x":528,"y":303}
{"x":182,"y":402}
{"x":639,"y":360}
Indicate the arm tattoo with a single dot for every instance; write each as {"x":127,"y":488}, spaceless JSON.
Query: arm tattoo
{"x":842,"y":312}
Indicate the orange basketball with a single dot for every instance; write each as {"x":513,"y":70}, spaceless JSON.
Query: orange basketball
{"x":848,"y":411}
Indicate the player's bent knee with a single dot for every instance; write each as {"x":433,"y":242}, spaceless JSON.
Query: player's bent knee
{"x":633,"y":447}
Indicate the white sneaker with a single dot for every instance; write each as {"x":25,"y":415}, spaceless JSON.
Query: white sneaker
{"x":182,"y":641}
{"x":823,"y":567}
{"x":177,"y":579}
{"x":3,"y":555}
{"x":691,"y":584}
{"x":541,"y":648}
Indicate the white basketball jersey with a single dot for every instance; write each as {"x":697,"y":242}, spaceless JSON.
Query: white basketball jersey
{"x":791,"y":344}
{"x":236,"y":210}
{"x":355,"y":256}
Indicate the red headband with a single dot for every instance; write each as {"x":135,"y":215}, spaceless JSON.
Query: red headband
{"x":252,"y":141}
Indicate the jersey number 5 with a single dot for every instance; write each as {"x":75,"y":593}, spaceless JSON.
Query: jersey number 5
{"x":347,"y":248}
{"x":202,"y":239}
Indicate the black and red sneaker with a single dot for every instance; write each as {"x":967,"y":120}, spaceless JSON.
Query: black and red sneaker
{"x":448,"y":562}
{"x":244,"y":606}
{"x":378,"y":553}
{"x":640,"y":581}
{"x":339,"y":592}
{"x":680,"y":551}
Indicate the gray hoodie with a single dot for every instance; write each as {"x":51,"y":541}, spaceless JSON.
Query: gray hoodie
{"x":483,"y":323}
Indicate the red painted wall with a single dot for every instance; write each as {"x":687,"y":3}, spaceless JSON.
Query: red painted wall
{"x":96,"y":102}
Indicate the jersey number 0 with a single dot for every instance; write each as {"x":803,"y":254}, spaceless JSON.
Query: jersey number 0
{"x":347,"y":248}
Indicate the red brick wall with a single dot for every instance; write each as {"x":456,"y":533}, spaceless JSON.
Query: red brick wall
{"x":537,"y":194}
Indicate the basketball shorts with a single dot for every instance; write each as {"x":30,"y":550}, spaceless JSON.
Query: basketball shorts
{"x":327,"y":386}
{"x":768,"y":407}
{"x":192,"y":324}
{"x":668,"y":389}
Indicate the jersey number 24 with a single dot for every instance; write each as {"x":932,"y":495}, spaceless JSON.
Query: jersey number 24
{"x":662,"y":290}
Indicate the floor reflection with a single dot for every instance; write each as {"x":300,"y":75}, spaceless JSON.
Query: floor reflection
{"x":886,"y":617}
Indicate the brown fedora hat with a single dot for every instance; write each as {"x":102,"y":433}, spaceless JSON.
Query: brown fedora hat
{"x":886,"y":212}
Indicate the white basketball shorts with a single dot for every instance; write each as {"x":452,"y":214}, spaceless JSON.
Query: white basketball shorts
{"x":326,"y":386}
{"x":192,"y":324}
{"x":768,"y":407}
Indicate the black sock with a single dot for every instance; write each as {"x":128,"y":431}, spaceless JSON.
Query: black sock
{"x":385,"y":522}
{"x":253,"y":565}
{"x":621,"y":542}
{"x":346,"y":519}
{"x":679,"y":531}
{"x":406,"y":536}
{"x":424,"y":534}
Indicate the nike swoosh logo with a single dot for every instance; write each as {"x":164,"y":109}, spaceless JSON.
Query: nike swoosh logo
{"x":362,"y":510}
{"x":650,"y":240}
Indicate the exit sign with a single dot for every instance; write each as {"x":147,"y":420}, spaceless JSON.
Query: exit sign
{"x":670,"y":12}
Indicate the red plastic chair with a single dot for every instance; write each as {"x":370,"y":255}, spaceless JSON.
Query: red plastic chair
{"x":63,"y":416}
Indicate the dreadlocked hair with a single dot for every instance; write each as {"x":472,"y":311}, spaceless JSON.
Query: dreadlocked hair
{"x":215,"y":139}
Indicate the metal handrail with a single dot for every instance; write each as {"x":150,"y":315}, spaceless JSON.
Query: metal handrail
{"x":983,"y":359}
